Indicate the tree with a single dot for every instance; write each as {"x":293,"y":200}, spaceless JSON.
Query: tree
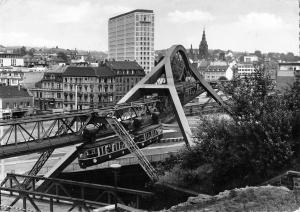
{"x":290,"y":56}
{"x":23,"y":51}
{"x":222,"y":56}
{"x":259,"y":141}
{"x":258,"y":53}
{"x":31,"y":51}
{"x":62,"y":56}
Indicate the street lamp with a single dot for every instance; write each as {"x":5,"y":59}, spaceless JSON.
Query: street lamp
{"x":115,"y":168}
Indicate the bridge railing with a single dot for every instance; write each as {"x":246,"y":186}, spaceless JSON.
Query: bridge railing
{"x":65,"y":190}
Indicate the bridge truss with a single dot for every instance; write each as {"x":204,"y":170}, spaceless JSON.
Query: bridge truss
{"x":177,"y":82}
{"x":174,"y":82}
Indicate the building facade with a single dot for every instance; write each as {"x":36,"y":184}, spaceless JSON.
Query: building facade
{"x":128,"y":74}
{"x":7,"y":59}
{"x":287,"y":74}
{"x":244,"y":69}
{"x":215,"y":71}
{"x":88,"y":87}
{"x":10,"y":77}
{"x":250,"y":58}
{"x":131,"y":37}
{"x":15,"y":101}
{"x":48,"y":93}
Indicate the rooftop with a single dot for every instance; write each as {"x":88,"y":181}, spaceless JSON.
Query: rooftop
{"x":124,"y":65}
{"x":88,"y":71}
{"x":12,"y":92}
{"x":133,"y":11}
{"x":290,"y":63}
{"x":30,"y":78}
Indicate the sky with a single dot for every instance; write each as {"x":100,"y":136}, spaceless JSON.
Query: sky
{"x":239,"y":25}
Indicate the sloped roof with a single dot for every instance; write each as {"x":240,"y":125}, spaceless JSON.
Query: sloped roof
{"x":124,"y":65}
{"x":12,"y":92}
{"x":30,"y":78}
{"x":80,"y":71}
{"x":88,"y":71}
{"x":105,"y":71}
{"x":56,"y":69}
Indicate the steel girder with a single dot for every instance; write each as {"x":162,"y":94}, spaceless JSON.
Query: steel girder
{"x":163,"y":81}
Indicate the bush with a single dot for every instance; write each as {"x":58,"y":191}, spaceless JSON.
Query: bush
{"x":259,"y":140}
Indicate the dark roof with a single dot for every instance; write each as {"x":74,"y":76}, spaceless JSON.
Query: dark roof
{"x":105,"y":71}
{"x":124,"y":65}
{"x":80,"y":71}
{"x":12,"y":92}
{"x":88,"y":71}
{"x":133,"y":11}
{"x":290,"y":63}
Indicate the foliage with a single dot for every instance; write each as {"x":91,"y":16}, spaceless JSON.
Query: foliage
{"x":62,"y":56}
{"x":259,"y":140}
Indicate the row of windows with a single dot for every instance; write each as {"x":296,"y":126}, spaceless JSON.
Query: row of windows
{"x":10,"y":74}
{"x":88,"y":79}
{"x":143,"y":24}
{"x":144,"y":34}
{"x":82,"y":88}
{"x":15,"y":105}
{"x":144,"y":39}
{"x":143,"y":17}
{"x":123,"y":80}
{"x":51,"y":85}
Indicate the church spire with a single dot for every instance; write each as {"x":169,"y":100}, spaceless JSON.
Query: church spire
{"x":191,"y":52}
{"x":203,"y":47}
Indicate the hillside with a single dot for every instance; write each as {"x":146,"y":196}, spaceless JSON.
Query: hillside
{"x":264,"y":198}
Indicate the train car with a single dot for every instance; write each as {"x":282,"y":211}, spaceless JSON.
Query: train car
{"x":110,"y":147}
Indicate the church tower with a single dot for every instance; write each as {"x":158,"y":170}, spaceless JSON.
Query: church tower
{"x":203,"y":47}
{"x":191,"y":53}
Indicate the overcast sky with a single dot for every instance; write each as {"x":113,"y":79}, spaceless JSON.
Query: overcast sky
{"x":243,"y":25}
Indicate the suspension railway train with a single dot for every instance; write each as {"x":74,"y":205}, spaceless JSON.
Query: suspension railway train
{"x":145,"y":130}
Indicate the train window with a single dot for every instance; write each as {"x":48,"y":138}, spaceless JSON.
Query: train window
{"x":104,"y":150}
{"x":100,"y":150}
{"x":90,"y":152}
{"x":108,"y":148}
{"x":118,"y":146}
{"x":148,"y":135}
{"x":122,"y":146}
{"x":141,"y":138}
{"x":114,"y":147}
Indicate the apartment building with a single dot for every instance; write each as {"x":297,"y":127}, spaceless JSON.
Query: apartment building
{"x":127,"y":73}
{"x":7,"y":59}
{"x":131,"y":37}
{"x":88,"y":87}
{"x":9,"y":76}
{"x":215,"y":70}
{"x":15,"y":101}
{"x":48,"y":93}
{"x":245,"y":69}
{"x":287,"y":74}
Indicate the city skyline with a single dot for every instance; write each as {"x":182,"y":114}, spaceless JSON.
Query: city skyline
{"x":266,"y":25}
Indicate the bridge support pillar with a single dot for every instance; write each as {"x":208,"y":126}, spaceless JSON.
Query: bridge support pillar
{"x":173,"y":73}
